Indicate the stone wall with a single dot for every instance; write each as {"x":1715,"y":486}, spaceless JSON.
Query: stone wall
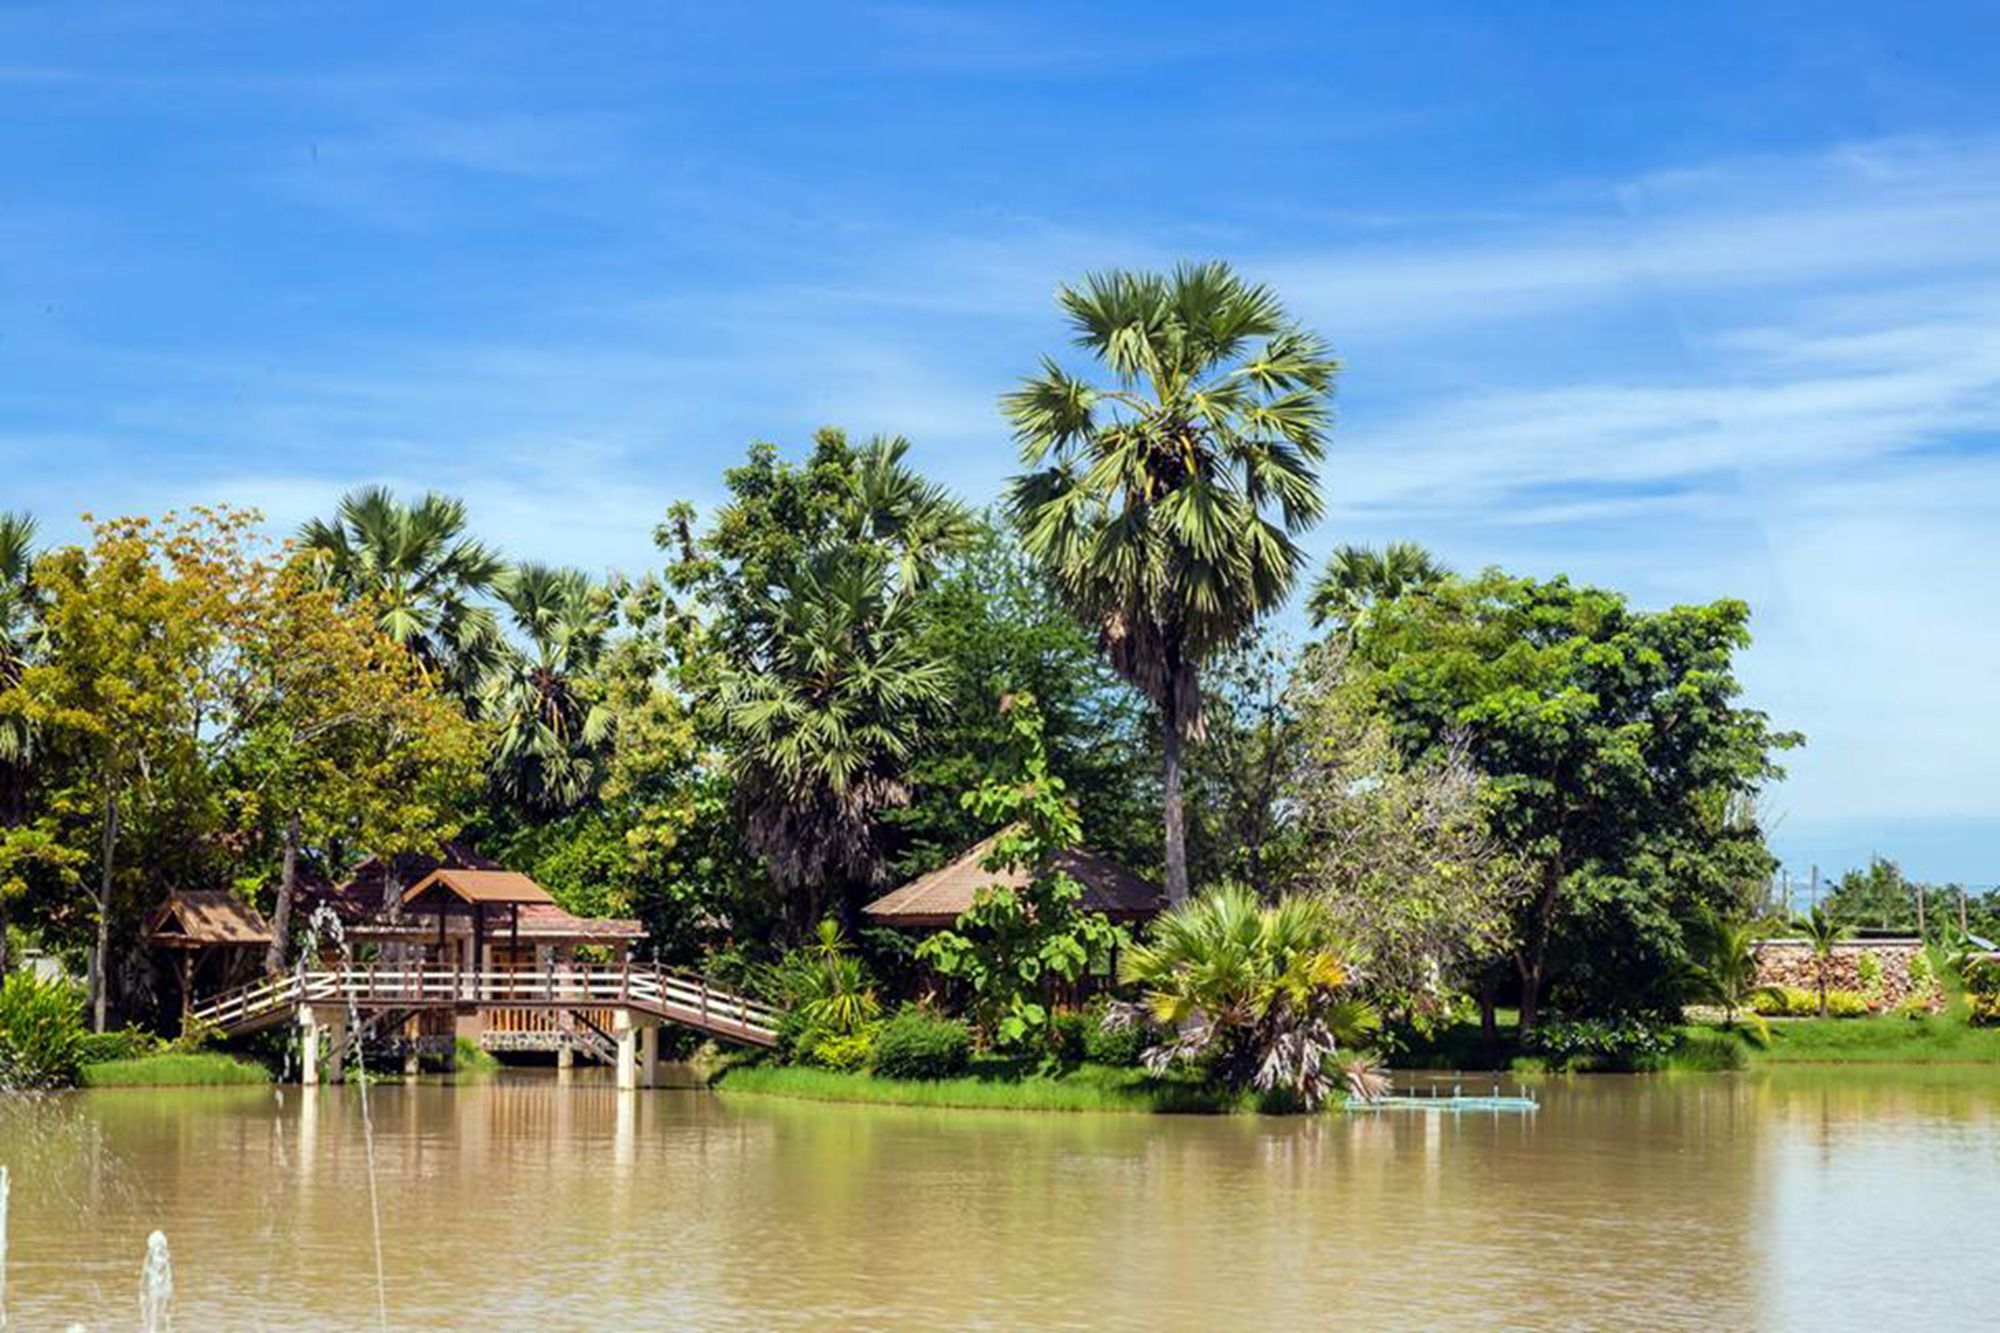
{"x":1784,"y":962}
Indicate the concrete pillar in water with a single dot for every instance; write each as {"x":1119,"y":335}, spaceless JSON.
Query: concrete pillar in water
{"x":308,"y":1047}
{"x":336,"y":1060}
{"x":628,"y":1049}
{"x":649,"y":1056}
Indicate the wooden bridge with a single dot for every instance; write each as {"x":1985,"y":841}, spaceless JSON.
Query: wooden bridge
{"x":637,"y":998}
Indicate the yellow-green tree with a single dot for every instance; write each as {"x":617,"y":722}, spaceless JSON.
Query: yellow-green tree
{"x":342,"y":740}
{"x":136,"y":631}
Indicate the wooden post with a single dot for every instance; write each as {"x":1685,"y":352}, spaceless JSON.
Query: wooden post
{"x":1920,"y":911}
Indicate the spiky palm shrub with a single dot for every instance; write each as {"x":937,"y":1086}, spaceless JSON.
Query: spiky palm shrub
{"x":1258,"y":996}
{"x":1822,"y":932}
{"x":1165,"y":505}
{"x":1723,"y":972}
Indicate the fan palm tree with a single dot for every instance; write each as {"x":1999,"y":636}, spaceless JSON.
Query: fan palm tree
{"x":824,"y":721}
{"x":19,"y":621}
{"x":1822,"y":930}
{"x":552,"y":731}
{"x":415,"y":564}
{"x":1724,"y":970}
{"x":1260,"y":994}
{"x":1165,"y":504}
{"x":1358,"y":579}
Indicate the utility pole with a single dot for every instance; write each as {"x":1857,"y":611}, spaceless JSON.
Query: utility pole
{"x":1815,"y":887}
{"x":1920,"y":911}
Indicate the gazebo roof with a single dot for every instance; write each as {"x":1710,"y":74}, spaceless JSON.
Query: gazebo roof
{"x":938,"y":898}
{"x":206,"y":919}
{"x":493,"y":887}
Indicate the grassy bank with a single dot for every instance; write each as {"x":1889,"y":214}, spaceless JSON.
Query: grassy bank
{"x":1942,"y":1039}
{"x":202,"y":1069}
{"x":1090,"y":1088}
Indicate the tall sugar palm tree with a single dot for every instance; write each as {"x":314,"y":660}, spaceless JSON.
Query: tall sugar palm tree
{"x":823,"y":722}
{"x":1358,"y":579}
{"x":19,"y":623}
{"x":552,"y":731}
{"x":415,"y":564}
{"x":1165,"y":504}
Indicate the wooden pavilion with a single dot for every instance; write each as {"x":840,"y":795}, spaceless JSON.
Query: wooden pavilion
{"x":207,"y":928}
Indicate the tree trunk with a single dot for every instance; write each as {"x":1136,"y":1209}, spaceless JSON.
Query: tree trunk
{"x":1176,"y":824}
{"x":1489,"y":1018}
{"x":100,"y":956}
{"x":281,"y":912}
{"x":1535,"y":944}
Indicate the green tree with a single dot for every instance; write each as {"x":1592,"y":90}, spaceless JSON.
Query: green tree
{"x":553,"y":729}
{"x":1015,"y":939}
{"x":136,"y":625}
{"x":1618,"y":764}
{"x":997,"y":627}
{"x":414,"y":564}
{"x":813,"y":589}
{"x":19,"y":628}
{"x":1357,"y":579}
{"x":1255,"y":996}
{"x":1165,"y":505}
{"x":1399,"y":846}
{"x":1243,"y":826}
{"x":342,"y":741}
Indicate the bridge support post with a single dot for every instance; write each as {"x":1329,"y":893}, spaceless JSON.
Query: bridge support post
{"x":628,"y":1049}
{"x":649,"y":1056}
{"x":308,"y":1047}
{"x":336,"y":1060}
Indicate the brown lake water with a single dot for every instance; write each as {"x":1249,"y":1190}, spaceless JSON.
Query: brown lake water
{"x":1794,"y":1200}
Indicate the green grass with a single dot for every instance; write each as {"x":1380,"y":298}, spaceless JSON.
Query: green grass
{"x":1090,"y":1088}
{"x":1941,"y":1039}
{"x":170,"y":1069}
{"x":470,"y":1055}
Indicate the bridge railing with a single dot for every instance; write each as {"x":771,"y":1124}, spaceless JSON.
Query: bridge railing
{"x":677,"y":995}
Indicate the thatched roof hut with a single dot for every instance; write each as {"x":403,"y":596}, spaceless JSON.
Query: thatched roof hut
{"x":206,"y":919}
{"x":937,"y":899}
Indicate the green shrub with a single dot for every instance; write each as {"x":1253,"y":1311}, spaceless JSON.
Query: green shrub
{"x":174,"y":1069}
{"x":915,"y":1044}
{"x":1709,"y":1050}
{"x":844,"y":1054}
{"x":1799,"y":1002}
{"x":95,"y":1048}
{"x":1628,"y":1042}
{"x":1069,"y":1035}
{"x":1119,"y":1047}
{"x":1846,"y":1004}
{"x":41,"y":1032}
{"x":1985,"y":1009}
{"x":1868,"y":969}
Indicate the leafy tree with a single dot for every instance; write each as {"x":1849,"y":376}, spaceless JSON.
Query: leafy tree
{"x":1013,"y":941}
{"x":1256,"y":996}
{"x":1165,"y":505}
{"x":1399,"y":846}
{"x":1616,"y":763}
{"x":1357,"y":579}
{"x":343,"y":741}
{"x":1242,"y":774}
{"x":423,"y":576}
{"x":552,"y":732}
{"x":995,"y":624}
{"x":814,"y":582}
{"x":137,"y":627}
{"x":1822,"y":931}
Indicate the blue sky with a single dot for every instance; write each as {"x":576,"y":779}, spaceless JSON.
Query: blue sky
{"x":1694,"y":300}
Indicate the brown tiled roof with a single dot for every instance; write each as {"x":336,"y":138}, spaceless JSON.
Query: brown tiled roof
{"x":938,"y":898}
{"x":206,"y":918}
{"x":548,"y":921}
{"x":480,"y":886}
{"x":364,"y":892}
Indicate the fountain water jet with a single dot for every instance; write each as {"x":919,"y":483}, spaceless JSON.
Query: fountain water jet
{"x":324,"y":920}
{"x":156,"y":1286}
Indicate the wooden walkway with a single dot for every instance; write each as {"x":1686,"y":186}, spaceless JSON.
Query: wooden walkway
{"x":657,"y":993}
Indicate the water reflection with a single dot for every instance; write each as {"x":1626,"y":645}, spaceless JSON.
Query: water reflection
{"x":1748,"y":1202}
